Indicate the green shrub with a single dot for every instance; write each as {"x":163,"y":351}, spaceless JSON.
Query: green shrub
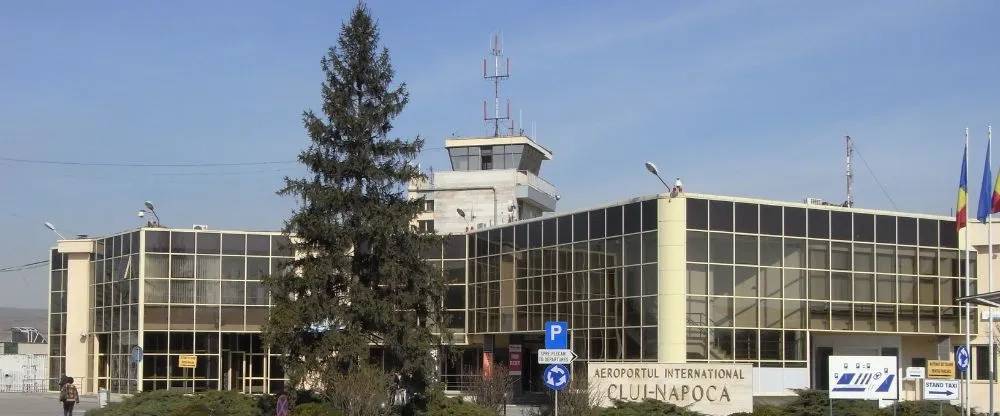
{"x":152,"y":403}
{"x":817,"y":403}
{"x":172,"y":403}
{"x":454,"y":406}
{"x":646,"y":408}
{"x":767,"y":410}
{"x":315,"y":409}
{"x":923,"y":408}
{"x":192,"y":409}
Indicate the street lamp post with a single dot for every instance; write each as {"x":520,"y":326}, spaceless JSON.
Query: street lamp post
{"x":656,"y":172}
{"x":150,"y":209}
{"x":53,"y":229}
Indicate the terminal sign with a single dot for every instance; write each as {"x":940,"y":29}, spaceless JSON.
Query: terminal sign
{"x":941,"y":369}
{"x":711,"y":389}
{"x":187,"y":361}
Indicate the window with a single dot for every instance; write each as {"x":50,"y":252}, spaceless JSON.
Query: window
{"x":840,"y":225}
{"x":697,"y":214}
{"x":819,"y":223}
{"x":982,"y":366}
{"x":720,"y":215}
{"x":864,"y":227}
{"x":746,"y":218}
{"x":770,"y":219}
{"x":428,"y":205}
{"x":928,"y":232}
{"x":426,"y":226}
{"x":885,"y":229}
{"x":795,"y":222}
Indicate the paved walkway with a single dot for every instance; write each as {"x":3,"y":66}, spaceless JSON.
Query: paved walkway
{"x":40,"y":404}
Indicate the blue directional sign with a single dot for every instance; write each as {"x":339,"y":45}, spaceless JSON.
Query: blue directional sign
{"x":962,"y":358}
{"x":137,"y":354}
{"x":556,"y":377}
{"x":556,"y":335}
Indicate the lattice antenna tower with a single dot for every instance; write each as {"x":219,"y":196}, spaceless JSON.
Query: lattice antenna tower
{"x":849,"y":174}
{"x":500,"y":119}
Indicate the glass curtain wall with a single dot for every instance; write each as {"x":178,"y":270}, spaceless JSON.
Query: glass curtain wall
{"x":594,"y":269}
{"x":760,"y":276}
{"x":204,"y":297}
{"x":115,"y":319}
{"x":57,"y":317}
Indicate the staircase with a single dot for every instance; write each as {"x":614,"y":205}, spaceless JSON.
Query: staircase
{"x":699,"y":338}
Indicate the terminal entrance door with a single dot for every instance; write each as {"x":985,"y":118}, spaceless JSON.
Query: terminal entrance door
{"x":531,"y":371}
{"x":234,"y":371}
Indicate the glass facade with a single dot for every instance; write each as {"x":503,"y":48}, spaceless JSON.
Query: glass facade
{"x":115,"y":312}
{"x":761,"y":276}
{"x":516,"y":156}
{"x":594,"y":269}
{"x":758,"y":279}
{"x":57,"y":317}
{"x":204,"y":297}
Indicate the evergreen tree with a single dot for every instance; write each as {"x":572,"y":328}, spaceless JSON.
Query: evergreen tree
{"x":364,"y":280}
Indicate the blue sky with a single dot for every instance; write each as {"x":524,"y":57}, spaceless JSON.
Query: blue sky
{"x":741,"y":98}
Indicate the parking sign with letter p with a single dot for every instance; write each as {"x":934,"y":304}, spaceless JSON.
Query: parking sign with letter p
{"x":556,"y":335}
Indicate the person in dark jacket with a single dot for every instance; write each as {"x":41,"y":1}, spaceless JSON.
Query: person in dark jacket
{"x":69,"y":396}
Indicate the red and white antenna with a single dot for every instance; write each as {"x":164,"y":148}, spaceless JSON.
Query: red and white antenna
{"x":501,"y":71}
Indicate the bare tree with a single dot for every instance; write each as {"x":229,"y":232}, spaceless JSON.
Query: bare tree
{"x":580,"y":398}
{"x":492,"y":388}
{"x":365,"y":390}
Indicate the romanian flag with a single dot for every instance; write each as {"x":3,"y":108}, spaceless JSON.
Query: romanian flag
{"x":995,"y":200}
{"x":961,"y":215}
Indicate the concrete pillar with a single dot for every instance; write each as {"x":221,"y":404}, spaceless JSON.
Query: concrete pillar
{"x":79,"y":276}
{"x":671,"y":270}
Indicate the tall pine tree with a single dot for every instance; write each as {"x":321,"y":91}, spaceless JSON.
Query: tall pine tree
{"x":364,"y":280}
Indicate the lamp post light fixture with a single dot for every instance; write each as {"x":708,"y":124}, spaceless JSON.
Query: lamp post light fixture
{"x":53,"y":229}
{"x":656,"y":172}
{"x":150,"y":209}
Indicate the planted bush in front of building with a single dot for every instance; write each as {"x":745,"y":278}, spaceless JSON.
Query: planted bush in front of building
{"x":170,"y":403}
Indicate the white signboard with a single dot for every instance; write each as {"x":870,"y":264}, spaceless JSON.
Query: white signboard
{"x":564,"y":356}
{"x":941,"y":389}
{"x":864,"y":377}
{"x":712,"y":389}
{"x":916,"y":373}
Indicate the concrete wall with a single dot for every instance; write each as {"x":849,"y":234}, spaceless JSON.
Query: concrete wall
{"x":478,"y":205}
{"x":24,"y":373}
{"x":671,"y":270}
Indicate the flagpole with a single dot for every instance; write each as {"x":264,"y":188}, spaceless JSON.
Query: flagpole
{"x":989,"y":260}
{"x":968,"y":286}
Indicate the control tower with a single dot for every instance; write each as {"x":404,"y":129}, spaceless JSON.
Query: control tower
{"x":494,"y":179}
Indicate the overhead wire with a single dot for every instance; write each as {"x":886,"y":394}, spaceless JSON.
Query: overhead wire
{"x":871,"y":172}
{"x":26,"y":266}
{"x":156,"y":165}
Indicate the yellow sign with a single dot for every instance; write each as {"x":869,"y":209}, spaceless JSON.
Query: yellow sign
{"x":941,"y":369}
{"x":187,"y":361}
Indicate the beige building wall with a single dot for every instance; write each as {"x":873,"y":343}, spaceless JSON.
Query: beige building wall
{"x":79,"y":342}
{"x":978,"y":235}
{"x":672,"y":279}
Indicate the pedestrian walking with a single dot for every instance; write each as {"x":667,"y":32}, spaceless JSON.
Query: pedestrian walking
{"x":69,"y":396}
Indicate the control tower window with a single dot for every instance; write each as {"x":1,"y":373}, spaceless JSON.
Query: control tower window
{"x":486,"y":153}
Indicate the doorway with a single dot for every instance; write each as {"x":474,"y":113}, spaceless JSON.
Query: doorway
{"x":234,"y":371}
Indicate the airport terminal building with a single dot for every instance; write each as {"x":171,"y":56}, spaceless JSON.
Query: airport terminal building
{"x":669,"y":278}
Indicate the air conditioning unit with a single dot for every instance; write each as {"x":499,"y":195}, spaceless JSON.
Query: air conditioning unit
{"x":480,"y":226}
{"x":813,"y":201}
{"x":199,"y":227}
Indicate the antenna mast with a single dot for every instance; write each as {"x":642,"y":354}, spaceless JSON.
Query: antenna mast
{"x":849,"y":144}
{"x":501,"y":71}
